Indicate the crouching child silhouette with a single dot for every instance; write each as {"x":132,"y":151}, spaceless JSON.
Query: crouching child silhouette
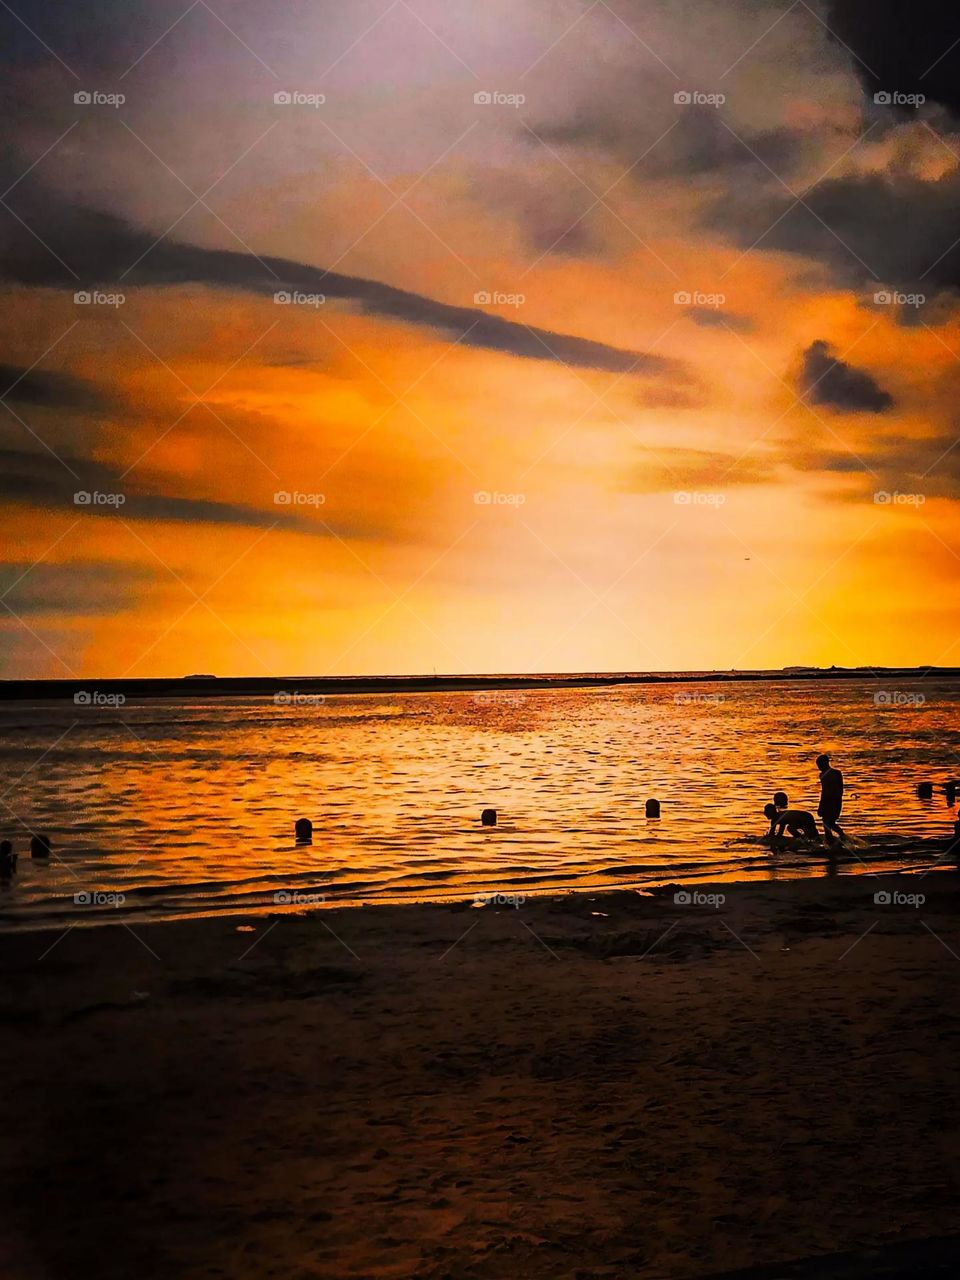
{"x":797,"y":823}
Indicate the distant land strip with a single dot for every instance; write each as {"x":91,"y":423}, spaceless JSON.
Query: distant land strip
{"x":209,"y":686}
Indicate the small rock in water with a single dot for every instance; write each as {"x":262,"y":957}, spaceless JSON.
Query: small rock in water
{"x":8,"y":859}
{"x":489,"y":818}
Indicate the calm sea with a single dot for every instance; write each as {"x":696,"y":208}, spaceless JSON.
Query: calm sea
{"x":189,"y":807}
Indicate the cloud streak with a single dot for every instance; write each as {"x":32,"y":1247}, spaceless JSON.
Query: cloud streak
{"x":49,"y":482}
{"x":41,"y":387}
{"x":76,"y":590}
{"x":104,"y":250}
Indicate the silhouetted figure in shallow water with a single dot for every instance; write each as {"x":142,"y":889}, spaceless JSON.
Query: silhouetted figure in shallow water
{"x":40,"y":847}
{"x":796,"y":822}
{"x":831,"y":800}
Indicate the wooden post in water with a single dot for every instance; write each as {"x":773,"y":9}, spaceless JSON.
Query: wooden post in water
{"x":488,"y":818}
{"x":304,"y":830}
{"x":653,"y":808}
{"x":925,"y":790}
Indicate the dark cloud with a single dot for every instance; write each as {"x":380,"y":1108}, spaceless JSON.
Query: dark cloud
{"x":703,"y":145}
{"x":87,"y":589}
{"x":700,"y":144}
{"x":840,"y":463}
{"x":51,"y":390}
{"x":104,"y":250}
{"x":715,"y":318}
{"x":124,"y":31}
{"x":312,"y":363}
{"x":891,"y":464}
{"x":563,"y":224}
{"x":902,"y":47}
{"x":874,"y":230}
{"x":559,"y":214}
{"x":829,"y":381}
{"x":654,"y":396}
{"x":43,"y":480}
{"x":913,"y":311}
{"x":901,"y":231}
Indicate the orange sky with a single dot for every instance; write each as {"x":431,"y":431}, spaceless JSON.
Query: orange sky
{"x":716,"y":512}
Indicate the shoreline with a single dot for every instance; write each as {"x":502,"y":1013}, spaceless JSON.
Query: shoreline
{"x":290,"y":688}
{"x":814,"y":871}
{"x":840,"y":888}
{"x":763,"y":898}
{"x":601,"y":1086}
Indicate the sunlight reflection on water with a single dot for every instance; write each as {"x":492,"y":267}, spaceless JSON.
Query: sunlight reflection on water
{"x":188,"y":806}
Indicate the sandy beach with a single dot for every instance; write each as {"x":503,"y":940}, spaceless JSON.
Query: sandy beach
{"x":574,"y":1087}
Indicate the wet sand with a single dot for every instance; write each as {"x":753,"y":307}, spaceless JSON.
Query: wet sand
{"x":586,"y":1087}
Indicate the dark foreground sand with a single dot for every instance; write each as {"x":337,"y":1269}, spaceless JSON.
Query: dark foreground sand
{"x":436,"y":1091}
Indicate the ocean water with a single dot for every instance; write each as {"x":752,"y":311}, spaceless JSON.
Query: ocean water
{"x":188,"y":807}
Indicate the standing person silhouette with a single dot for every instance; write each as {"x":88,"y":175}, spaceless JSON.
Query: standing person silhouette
{"x":831,"y":799}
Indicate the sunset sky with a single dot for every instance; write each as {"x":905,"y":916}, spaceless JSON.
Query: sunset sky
{"x":680,"y":300}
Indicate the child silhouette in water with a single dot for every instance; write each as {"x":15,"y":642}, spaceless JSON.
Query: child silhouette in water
{"x":796,"y":822}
